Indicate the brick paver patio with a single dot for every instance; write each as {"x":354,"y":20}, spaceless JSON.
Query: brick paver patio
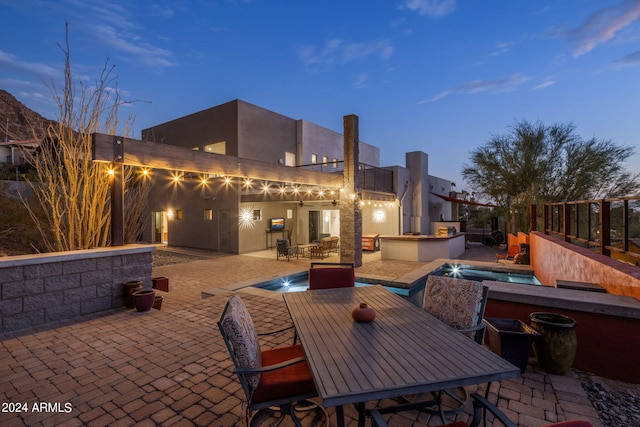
{"x":169,"y":367}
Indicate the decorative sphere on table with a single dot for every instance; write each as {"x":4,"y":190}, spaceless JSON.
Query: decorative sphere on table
{"x":363,"y":313}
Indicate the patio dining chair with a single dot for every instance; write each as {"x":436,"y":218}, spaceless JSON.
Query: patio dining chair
{"x":274,"y":381}
{"x":481,"y":407}
{"x":331,"y":275}
{"x":285,"y":250}
{"x":460,"y":303}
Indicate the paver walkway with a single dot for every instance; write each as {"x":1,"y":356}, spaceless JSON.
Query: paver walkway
{"x":169,"y":367}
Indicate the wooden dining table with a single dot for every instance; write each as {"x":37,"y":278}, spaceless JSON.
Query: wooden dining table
{"x":403,"y":351}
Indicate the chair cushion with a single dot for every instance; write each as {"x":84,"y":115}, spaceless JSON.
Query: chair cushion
{"x":241,"y":332}
{"x":331,"y":277}
{"x":454,"y":301}
{"x":293,"y":380}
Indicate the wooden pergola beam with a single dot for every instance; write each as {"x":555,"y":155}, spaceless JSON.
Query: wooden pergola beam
{"x":162,"y":156}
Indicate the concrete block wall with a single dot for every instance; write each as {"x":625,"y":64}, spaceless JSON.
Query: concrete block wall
{"x":42,"y":288}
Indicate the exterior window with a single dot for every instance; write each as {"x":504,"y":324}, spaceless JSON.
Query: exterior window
{"x":314,"y":159}
{"x":178,"y":213}
{"x":289,"y":159}
{"x":217,"y":147}
{"x":208,"y":214}
{"x":325,"y":160}
{"x":335,"y":163}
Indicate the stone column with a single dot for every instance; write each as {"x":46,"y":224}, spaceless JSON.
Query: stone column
{"x":350,"y":215}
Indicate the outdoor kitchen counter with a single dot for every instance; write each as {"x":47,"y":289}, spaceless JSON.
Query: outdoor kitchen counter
{"x":423,"y":248}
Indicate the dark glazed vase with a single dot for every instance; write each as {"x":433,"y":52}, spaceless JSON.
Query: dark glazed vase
{"x":556,"y":348}
{"x":143,"y":300}
{"x":363,"y":313}
{"x":128,"y":288}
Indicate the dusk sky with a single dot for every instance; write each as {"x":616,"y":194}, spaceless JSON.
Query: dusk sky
{"x":439,"y":76}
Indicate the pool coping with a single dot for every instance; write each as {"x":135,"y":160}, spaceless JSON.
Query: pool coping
{"x":548,"y":296}
{"x":406,"y":281}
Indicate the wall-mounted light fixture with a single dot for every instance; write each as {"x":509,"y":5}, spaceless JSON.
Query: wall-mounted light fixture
{"x":246,"y":218}
{"x":379,"y":216}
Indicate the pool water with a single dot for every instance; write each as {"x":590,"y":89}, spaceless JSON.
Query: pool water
{"x":469,"y":273}
{"x":300,"y":281}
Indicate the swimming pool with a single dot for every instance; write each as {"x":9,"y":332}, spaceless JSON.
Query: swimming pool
{"x":471,"y":273}
{"x":415,"y":292}
{"x":300,"y":282}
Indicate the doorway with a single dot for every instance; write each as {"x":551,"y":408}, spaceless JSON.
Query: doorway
{"x":314,"y":226}
{"x":160,"y":228}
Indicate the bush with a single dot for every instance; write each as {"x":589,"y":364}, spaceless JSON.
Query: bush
{"x":18,"y":234}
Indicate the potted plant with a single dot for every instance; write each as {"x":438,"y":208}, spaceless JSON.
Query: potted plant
{"x":143,"y":300}
{"x":557,"y":346}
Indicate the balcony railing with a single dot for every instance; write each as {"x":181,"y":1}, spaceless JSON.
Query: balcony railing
{"x":368,"y":177}
{"x":608,"y":226}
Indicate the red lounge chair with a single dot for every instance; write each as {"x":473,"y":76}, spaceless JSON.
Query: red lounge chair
{"x":510,"y":254}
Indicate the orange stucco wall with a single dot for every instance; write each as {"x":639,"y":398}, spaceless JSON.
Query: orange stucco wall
{"x":513,"y":239}
{"x":553,"y":259}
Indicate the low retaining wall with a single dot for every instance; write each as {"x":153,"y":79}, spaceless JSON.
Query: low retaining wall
{"x":606,"y":325}
{"x":553,"y":259}
{"x":43,"y":288}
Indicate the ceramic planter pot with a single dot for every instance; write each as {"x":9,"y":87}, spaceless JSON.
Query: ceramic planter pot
{"x":556,"y":348}
{"x":363,"y":313}
{"x":128,"y":288}
{"x":143,"y":300}
{"x":157,"y":303}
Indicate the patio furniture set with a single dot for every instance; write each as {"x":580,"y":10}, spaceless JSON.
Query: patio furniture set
{"x":321,"y":249}
{"x":404,"y":353}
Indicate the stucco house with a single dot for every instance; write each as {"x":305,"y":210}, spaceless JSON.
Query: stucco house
{"x":240,"y":214}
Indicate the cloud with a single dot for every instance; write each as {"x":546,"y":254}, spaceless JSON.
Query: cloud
{"x":114,"y":24}
{"x":502,"y":47}
{"x":434,"y":8}
{"x":501,"y":84}
{"x":544,"y":84}
{"x":602,"y":26}
{"x":10,"y":61}
{"x":337,"y":51}
{"x":361,"y":80}
{"x":630,"y":59}
{"x":142,"y":52}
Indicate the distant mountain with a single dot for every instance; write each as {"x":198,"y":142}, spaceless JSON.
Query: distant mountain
{"x":17,"y":121}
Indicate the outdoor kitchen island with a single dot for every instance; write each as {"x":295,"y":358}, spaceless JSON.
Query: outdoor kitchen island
{"x":421,"y":247}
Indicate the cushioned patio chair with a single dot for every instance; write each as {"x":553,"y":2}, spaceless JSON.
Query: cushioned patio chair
{"x":276,"y":380}
{"x":331,"y":275}
{"x":510,"y":254}
{"x":459,"y":303}
{"x":481,"y":407}
{"x":322,"y":249}
{"x":335,"y":244}
{"x":284,"y":248}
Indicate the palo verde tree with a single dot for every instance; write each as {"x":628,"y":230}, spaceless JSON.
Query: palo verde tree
{"x":72,"y":189}
{"x":537,"y":163}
